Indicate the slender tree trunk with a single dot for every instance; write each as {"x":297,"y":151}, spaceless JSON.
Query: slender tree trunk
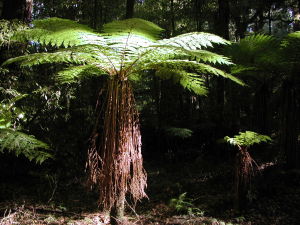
{"x":172,"y":18}
{"x":222,"y":29}
{"x":17,"y":9}
{"x":289,"y":125}
{"x":129,"y":9}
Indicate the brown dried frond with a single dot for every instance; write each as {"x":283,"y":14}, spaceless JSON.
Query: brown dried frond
{"x":116,"y":165}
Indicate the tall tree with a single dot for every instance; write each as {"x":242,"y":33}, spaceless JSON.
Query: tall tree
{"x":129,"y":9}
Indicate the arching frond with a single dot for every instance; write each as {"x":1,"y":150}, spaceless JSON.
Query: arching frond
{"x":74,"y":73}
{"x":60,"y":32}
{"x":49,"y":58}
{"x":190,"y":81}
{"x":21,"y":143}
{"x":192,"y":66}
{"x":194,"y":41}
{"x":259,"y":49}
{"x":133,"y":26}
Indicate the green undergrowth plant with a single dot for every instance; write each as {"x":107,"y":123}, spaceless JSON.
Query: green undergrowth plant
{"x":12,"y":138}
{"x":184,"y":205}
{"x":244,"y":163}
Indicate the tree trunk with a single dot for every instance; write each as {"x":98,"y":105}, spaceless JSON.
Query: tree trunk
{"x":117,"y":211}
{"x":289,"y":124}
{"x":243,"y":173}
{"x":129,"y":9}
{"x":115,"y":161}
{"x":17,"y":9}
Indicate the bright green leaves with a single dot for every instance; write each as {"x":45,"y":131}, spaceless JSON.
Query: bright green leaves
{"x":189,"y":81}
{"x":135,"y":26}
{"x":247,"y":138}
{"x":125,"y":47}
{"x":189,"y":70}
{"x":49,"y":58}
{"x":74,"y":73}
{"x":194,"y":41}
{"x":60,"y":32}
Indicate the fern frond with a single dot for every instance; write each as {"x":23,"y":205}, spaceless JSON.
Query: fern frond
{"x":247,"y":139}
{"x":74,"y":73}
{"x":48,"y":58}
{"x":194,"y":41}
{"x":259,"y":49}
{"x":59,"y":32}
{"x":190,"y":81}
{"x":21,"y":143}
{"x":192,"y":66}
{"x":178,"y":132}
{"x":133,"y":26}
{"x":290,"y":49}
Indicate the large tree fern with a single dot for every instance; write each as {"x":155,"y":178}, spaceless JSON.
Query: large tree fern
{"x":121,"y":52}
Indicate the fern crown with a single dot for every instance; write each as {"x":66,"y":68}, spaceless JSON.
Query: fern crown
{"x":124,"y":48}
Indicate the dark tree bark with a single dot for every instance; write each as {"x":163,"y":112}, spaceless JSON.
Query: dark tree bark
{"x":222,"y":29}
{"x":289,"y":124}
{"x":222,"y":25}
{"x":17,"y":9}
{"x":129,"y":9}
{"x":172,"y":18}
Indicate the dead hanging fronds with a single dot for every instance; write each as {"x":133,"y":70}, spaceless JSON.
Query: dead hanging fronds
{"x":115,"y":162}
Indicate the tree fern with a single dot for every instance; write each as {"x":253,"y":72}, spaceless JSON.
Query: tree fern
{"x":121,"y":51}
{"x":254,"y":53}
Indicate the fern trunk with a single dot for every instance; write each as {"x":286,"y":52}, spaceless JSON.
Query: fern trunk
{"x":115,"y":161}
{"x":243,"y":173}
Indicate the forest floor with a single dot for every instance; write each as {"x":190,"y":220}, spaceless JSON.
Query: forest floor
{"x":179,"y":194}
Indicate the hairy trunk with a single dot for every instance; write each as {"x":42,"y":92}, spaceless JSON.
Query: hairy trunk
{"x":243,"y":173}
{"x":115,"y":161}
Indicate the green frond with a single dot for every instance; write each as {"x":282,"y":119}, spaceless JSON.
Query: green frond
{"x":259,"y":49}
{"x":194,"y":41}
{"x":247,"y":139}
{"x":21,"y":143}
{"x":75,"y":73}
{"x":165,"y":52}
{"x":49,"y":58}
{"x":210,"y":57}
{"x":192,"y":66}
{"x":290,"y":49}
{"x":60,"y":32}
{"x":190,"y":81}
{"x":133,"y":26}
{"x":178,"y":132}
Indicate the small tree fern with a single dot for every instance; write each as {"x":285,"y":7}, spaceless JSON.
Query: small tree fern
{"x":120,"y":52}
{"x":244,"y":162}
{"x":11,"y":136}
